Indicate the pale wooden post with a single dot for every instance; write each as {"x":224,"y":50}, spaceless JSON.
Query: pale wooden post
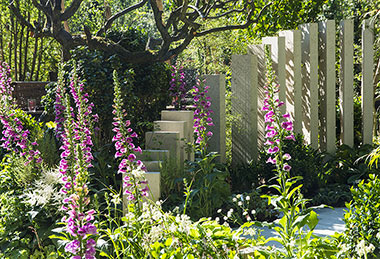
{"x":244,"y":108}
{"x":309,"y":35}
{"x":217,"y":142}
{"x":327,"y":81}
{"x":367,"y":90}
{"x":277,"y":49}
{"x":259,"y":52}
{"x":293,"y":77}
{"x":346,"y":89}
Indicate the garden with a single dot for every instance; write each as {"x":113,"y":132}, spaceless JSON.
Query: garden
{"x":184,"y":129}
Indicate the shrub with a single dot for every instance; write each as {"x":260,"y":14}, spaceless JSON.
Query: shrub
{"x":145,"y":96}
{"x":362,"y":220}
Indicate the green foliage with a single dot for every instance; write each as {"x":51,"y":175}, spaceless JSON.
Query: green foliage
{"x":144,"y":86}
{"x":209,"y":188}
{"x":362,"y":219}
{"x":246,"y":207}
{"x":158,"y":234}
{"x":348,"y":166}
{"x":24,"y":225}
{"x":49,"y":147}
{"x":305,"y":162}
{"x":335,"y":195}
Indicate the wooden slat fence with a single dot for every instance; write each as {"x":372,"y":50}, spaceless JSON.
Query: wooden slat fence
{"x":304,"y":62}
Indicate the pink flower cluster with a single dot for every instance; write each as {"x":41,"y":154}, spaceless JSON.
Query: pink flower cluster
{"x":134,"y":186}
{"x":178,"y":88}
{"x":278,"y":128}
{"x":5,"y":83}
{"x":15,"y":137}
{"x":202,"y":119}
{"x":76,"y":159}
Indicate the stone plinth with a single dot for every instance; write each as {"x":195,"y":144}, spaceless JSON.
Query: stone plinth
{"x":164,"y":140}
{"x":217,"y":92}
{"x":188,"y":117}
{"x":153,"y":155}
{"x":177,"y":126}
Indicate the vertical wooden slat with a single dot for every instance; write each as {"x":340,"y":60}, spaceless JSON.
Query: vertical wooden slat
{"x":346,"y":89}
{"x":309,"y":36}
{"x":327,"y":80}
{"x":277,"y":49}
{"x":259,"y":52}
{"x":367,"y":90}
{"x":244,"y":108}
{"x":217,"y":92}
{"x":293,"y":77}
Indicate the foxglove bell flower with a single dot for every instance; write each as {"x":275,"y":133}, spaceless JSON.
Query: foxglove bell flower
{"x":202,"y":119}
{"x":76,"y":158}
{"x":135,"y":184}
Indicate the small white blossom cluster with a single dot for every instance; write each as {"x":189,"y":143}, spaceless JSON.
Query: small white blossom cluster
{"x":363,"y":249}
{"x":45,"y":189}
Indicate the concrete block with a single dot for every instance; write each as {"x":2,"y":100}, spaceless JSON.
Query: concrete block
{"x":188,"y":117}
{"x":153,"y":155}
{"x":153,"y":166}
{"x":327,"y":82}
{"x":244,"y":85}
{"x":293,"y":77}
{"x":164,"y":140}
{"x":310,"y":87}
{"x":178,"y":126}
{"x":346,"y":88}
{"x":217,"y":142}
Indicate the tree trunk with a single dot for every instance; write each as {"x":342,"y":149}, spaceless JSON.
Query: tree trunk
{"x":1,"y":43}
{"x":10,"y":43}
{"x":39,"y":59}
{"x":15,"y":50}
{"x":26,"y":51}
{"x":20,"y":56}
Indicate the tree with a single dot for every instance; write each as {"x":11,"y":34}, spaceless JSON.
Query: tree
{"x":177,"y":24}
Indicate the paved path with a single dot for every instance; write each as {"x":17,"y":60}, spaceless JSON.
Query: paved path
{"x":330,"y":221}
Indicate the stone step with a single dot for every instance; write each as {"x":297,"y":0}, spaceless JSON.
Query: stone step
{"x":153,"y":166}
{"x":188,"y":117}
{"x":154,"y":181}
{"x":164,"y":140}
{"x":177,"y":126}
{"x":153,"y":155}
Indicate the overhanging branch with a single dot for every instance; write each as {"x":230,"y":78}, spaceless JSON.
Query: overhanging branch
{"x":109,"y":22}
{"x":69,"y":12}
{"x":235,"y":27}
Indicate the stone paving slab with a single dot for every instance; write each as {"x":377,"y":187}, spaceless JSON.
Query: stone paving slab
{"x":330,"y":221}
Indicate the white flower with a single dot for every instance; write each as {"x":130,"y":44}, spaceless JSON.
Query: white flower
{"x":378,"y":235}
{"x":253,"y":212}
{"x":240,"y":203}
{"x":362,"y":249}
{"x":219,"y":211}
{"x":247,"y":198}
{"x":138,"y":173}
{"x":238,"y":196}
{"x":245,"y":213}
{"x":234,"y":199}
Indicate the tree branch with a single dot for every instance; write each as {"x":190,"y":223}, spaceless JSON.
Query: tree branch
{"x":71,"y":10}
{"x":46,"y":9}
{"x":20,"y":17}
{"x":226,"y":13}
{"x":109,"y":22}
{"x":235,"y":27}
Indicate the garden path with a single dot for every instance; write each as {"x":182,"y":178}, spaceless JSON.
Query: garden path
{"x":330,"y":221}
